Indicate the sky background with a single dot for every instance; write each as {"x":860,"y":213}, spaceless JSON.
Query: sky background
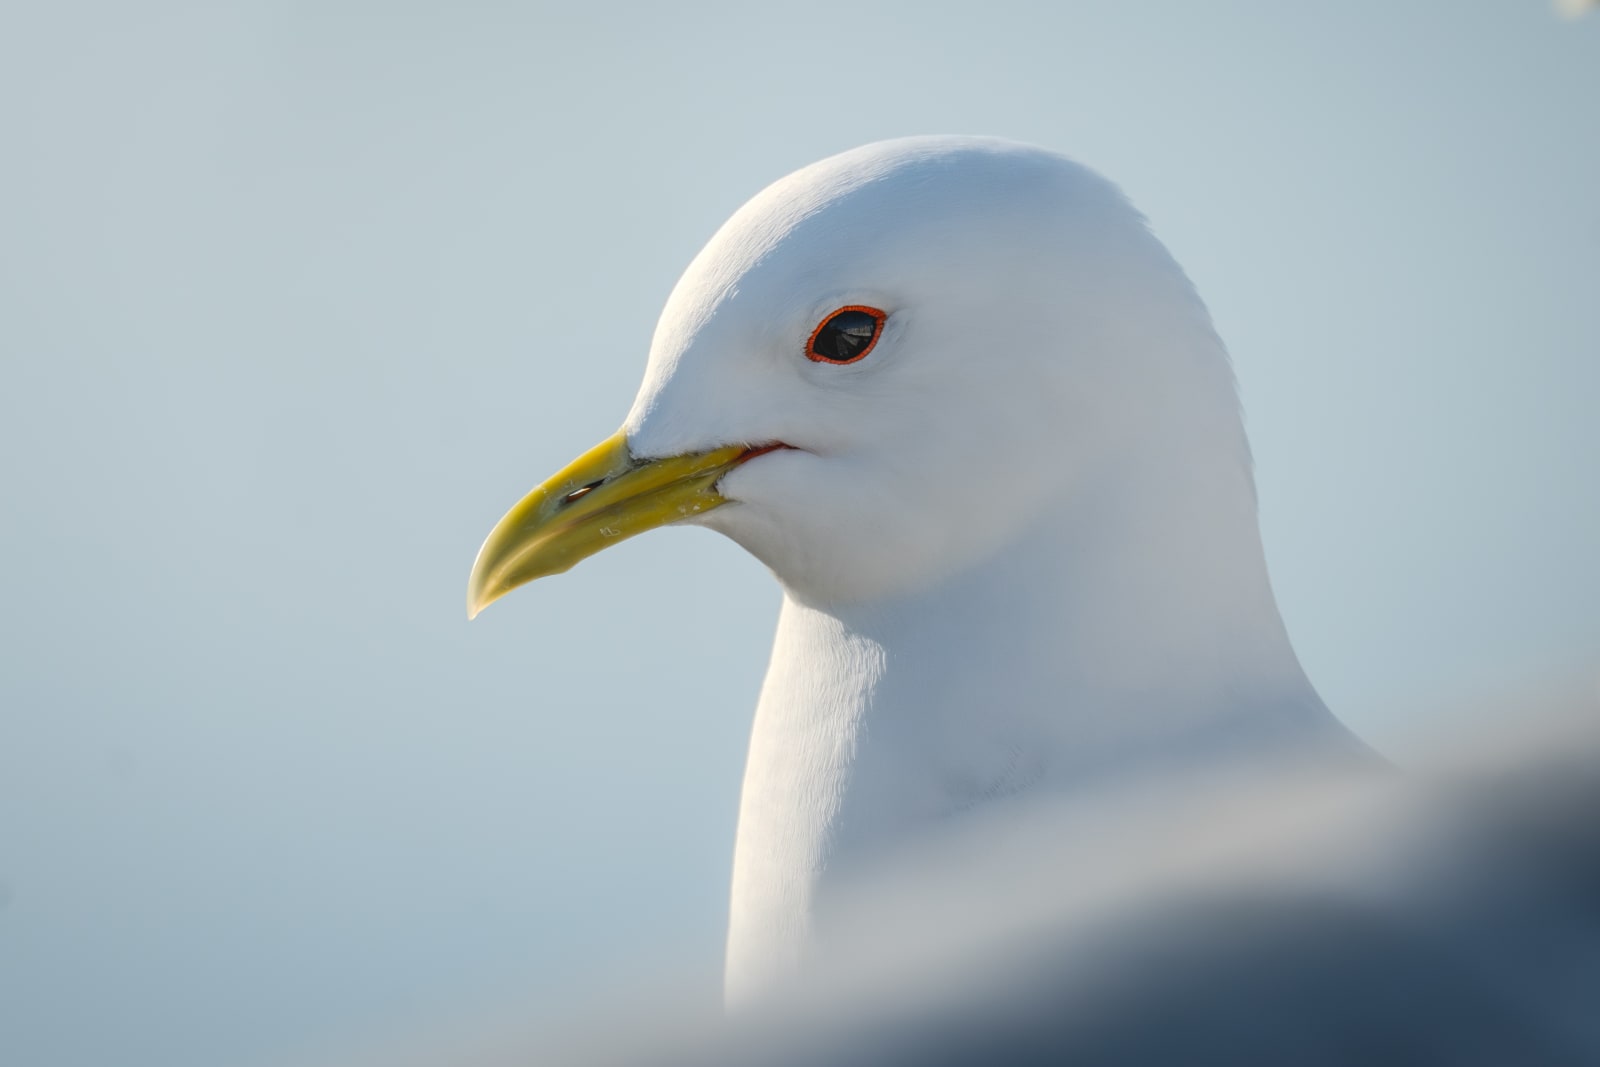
{"x":297,"y":299}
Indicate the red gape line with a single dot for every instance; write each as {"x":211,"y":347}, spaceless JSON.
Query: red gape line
{"x":811,"y":342}
{"x":762,"y":450}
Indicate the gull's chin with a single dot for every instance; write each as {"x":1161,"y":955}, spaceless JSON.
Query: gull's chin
{"x":750,"y":455}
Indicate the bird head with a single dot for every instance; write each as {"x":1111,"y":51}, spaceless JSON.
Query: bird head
{"x":885,"y":366}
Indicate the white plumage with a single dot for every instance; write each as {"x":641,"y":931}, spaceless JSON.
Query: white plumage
{"x":1018,"y":541}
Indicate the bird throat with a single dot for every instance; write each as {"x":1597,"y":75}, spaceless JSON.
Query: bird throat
{"x":1095,"y":647}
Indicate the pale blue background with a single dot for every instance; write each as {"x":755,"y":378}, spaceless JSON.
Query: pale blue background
{"x":296,"y":298}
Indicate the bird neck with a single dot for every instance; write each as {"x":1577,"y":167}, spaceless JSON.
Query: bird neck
{"x":1126,"y":631}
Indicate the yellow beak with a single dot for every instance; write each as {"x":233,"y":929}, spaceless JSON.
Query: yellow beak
{"x":602,"y":497}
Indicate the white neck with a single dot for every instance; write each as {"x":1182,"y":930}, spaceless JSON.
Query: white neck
{"x":1083,"y":651}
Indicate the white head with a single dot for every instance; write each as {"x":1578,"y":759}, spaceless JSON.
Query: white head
{"x":1032,"y":344}
{"x":1033,"y":331}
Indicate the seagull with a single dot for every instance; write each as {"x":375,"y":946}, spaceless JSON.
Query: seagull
{"x":976,"y":421}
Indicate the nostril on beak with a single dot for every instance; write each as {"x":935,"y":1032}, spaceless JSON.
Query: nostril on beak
{"x":584,"y":491}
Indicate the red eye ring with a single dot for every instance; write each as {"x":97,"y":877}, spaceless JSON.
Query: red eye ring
{"x":842,"y":336}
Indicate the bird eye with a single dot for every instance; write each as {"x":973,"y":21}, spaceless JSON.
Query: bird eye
{"x":846,"y":335}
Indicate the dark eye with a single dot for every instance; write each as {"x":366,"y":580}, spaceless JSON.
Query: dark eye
{"x":845,"y":336}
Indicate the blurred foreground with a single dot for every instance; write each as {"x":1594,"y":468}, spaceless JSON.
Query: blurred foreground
{"x":1447,"y":915}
